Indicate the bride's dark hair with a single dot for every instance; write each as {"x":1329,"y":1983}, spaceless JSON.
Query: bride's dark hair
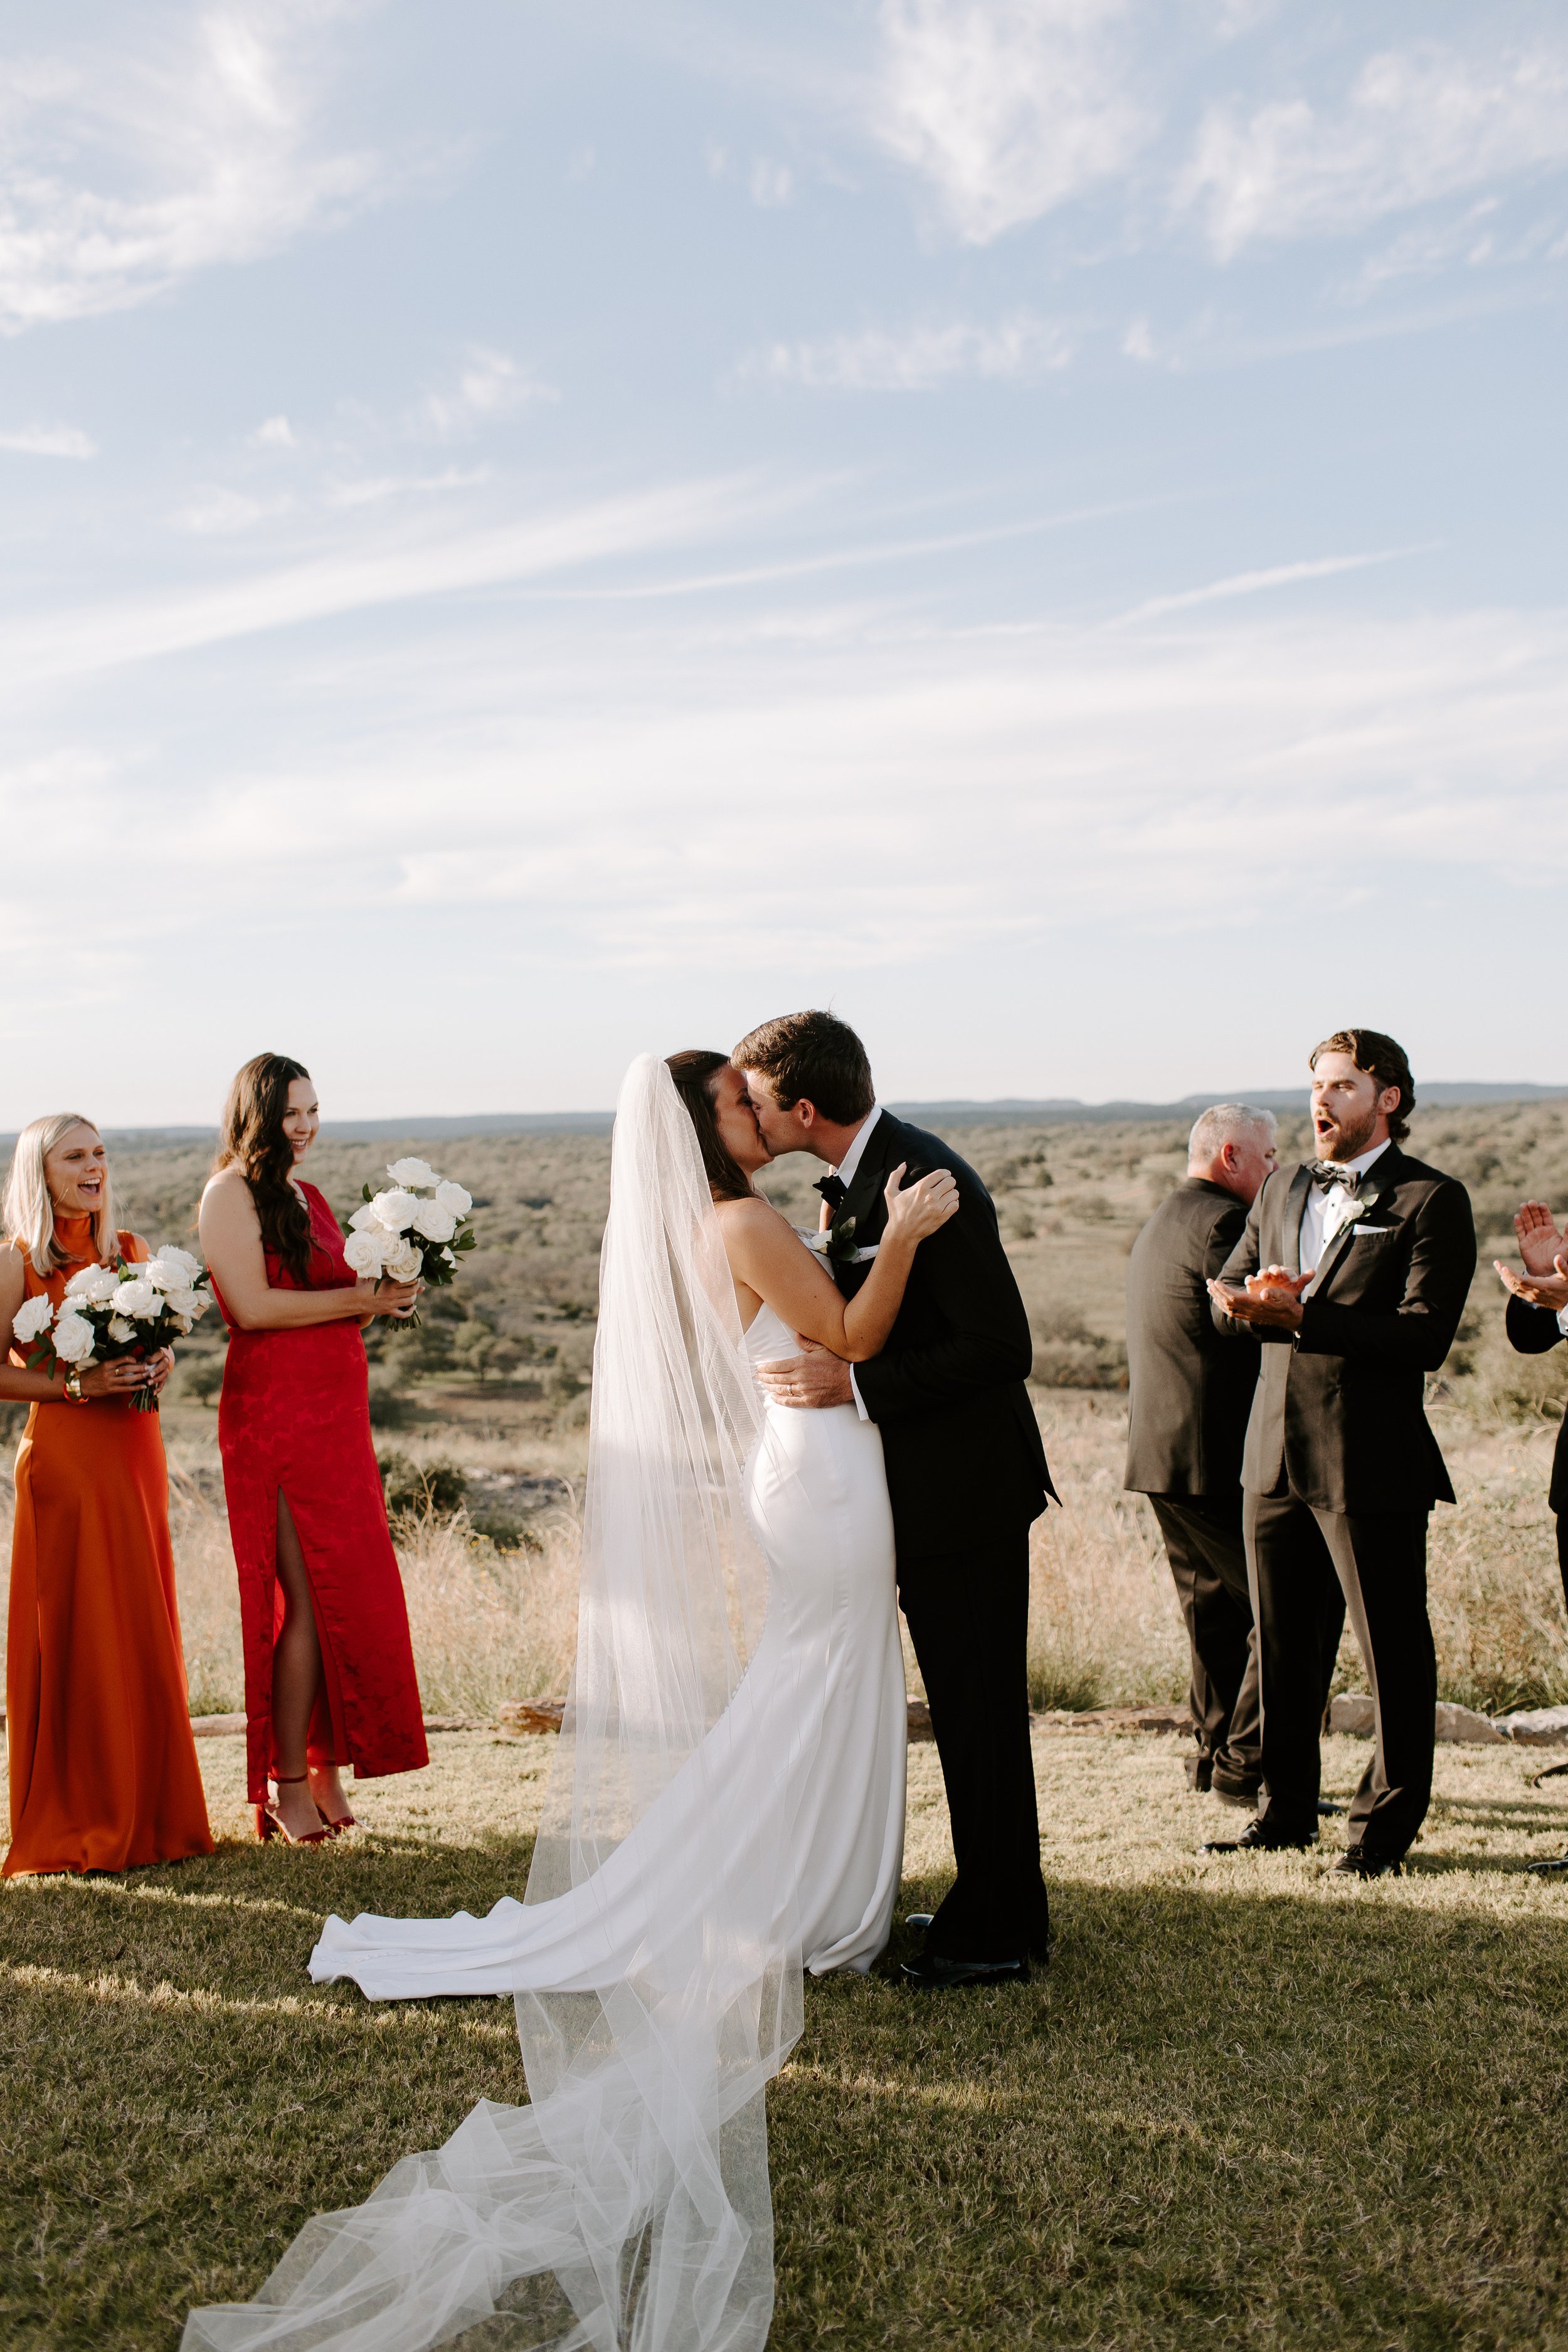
{"x":694,"y":1072}
{"x":251,"y":1138}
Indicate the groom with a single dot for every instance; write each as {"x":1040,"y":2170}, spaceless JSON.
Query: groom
{"x":966,"y":1472}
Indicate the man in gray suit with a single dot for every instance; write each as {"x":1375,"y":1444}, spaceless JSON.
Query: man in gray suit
{"x":1190,"y":1391}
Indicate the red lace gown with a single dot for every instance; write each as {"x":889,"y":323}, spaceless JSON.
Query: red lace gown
{"x":295,"y":1416}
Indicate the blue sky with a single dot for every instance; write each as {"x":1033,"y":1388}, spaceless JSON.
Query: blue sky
{"x":538,"y":532}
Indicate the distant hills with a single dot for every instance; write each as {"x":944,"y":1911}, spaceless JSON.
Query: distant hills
{"x":1049,"y":1110}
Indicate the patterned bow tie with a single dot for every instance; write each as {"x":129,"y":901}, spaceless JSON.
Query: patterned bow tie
{"x":834,"y":1191}
{"x":1328,"y":1173}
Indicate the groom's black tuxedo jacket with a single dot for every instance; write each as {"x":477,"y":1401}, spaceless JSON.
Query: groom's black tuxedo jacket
{"x":965,"y":1462}
{"x":1339,"y":1410}
{"x":1534,"y":1330}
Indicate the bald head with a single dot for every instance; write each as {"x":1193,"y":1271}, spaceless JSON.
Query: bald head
{"x":1232,"y":1144}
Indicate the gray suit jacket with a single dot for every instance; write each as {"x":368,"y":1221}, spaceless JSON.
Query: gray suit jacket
{"x":1340,"y":1414}
{"x":1190,"y":1386}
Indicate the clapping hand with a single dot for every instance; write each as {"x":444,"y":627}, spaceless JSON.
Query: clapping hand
{"x":1544,"y":1282}
{"x":1271,"y":1298}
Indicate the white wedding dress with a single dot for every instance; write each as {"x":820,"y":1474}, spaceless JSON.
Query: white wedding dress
{"x":827,"y":1682}
{"x":726,"y":1805}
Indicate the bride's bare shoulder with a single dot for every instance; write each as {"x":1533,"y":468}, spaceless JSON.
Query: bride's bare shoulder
{"x":750,"y":1222}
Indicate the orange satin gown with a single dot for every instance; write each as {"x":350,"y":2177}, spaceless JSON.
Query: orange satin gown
{"x":102,"y":1764}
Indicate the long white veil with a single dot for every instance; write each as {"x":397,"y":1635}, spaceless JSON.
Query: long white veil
{"x":627,"y":2206}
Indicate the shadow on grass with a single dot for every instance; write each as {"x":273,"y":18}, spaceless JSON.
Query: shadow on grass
{"x":1286,"y":2114}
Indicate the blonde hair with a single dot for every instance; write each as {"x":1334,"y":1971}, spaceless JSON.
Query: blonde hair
{"x":30,"y":1212}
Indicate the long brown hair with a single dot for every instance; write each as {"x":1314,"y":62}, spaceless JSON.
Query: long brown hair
{"x":252,"y":1139}
{"x":694,"y":1072}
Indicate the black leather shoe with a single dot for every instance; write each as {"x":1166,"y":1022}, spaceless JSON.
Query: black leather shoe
{"x":1262,"y":1837}
{"x":1329,"y":1806}
{"x":931,"y":1973}
{"x":1356,"y":1862}
{"x":918,"y":1918}
{"x":1558,"y":1869}
{"x":1200,"y":1772}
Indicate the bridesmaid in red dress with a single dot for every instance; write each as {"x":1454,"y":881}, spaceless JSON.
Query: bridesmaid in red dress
{"x":328,"y":1668}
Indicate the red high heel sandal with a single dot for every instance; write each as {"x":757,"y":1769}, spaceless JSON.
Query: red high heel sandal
{"x":343,"y":1821}
{"x":269,"y":1821}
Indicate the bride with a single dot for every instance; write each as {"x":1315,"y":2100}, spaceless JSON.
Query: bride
{"x":725,"y":1805}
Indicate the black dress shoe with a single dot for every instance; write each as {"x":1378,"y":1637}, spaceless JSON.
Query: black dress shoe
{"x":1558,"y":1869}
{"x":931,"y":1973}
{"x":918,"y":1918}
{"x":1329,"y":1806}
{"x":1357,"y":1863}
{"x":1264,"y":1837}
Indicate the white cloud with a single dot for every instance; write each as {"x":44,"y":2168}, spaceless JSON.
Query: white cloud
{"x":129,"y":167}
{"x":49,"y":441}
{"x":772,"y":184}
{"x":491,"y":386}
{"x":1256,"y":584}
{"x":1009,"y":107}
{"x":220,"y":511}
{"x":1418,"y":125}
{"x":1021,"y":349}
{"x":275,"y":432}
{"x":387,"y":569}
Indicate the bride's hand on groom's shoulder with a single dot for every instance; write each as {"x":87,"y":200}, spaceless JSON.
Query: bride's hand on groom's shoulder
{"x":923,"y":1208}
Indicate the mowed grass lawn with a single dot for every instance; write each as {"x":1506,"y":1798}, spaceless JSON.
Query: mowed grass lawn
{"x":1248,"y":2104}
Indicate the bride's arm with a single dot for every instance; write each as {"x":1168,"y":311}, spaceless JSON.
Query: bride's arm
{"x":766,"y":1253}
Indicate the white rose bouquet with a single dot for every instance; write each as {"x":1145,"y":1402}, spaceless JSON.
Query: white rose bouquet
{"x":109,"y":1311}
{"x":415,"y":1231}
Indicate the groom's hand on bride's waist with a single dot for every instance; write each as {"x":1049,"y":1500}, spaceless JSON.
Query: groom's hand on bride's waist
{"x":813,"y":1378}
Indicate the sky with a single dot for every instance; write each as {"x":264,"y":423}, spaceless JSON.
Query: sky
{"x":533,"y":533}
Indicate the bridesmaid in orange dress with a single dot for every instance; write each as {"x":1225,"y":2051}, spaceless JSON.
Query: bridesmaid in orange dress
{"x":102,"y":1765}
{"x":329,"y":1667}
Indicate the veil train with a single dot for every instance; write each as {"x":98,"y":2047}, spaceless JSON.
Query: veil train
{"x":627,"y":2206}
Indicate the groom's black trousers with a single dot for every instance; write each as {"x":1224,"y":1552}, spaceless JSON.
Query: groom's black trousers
{"x":968,"y":1617}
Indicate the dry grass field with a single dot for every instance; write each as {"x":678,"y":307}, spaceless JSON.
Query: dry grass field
{"x":1249,"y":2103}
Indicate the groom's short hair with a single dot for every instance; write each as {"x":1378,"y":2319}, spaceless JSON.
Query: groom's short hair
{"x":811,"y":1057}
{"x":1381,"y":1058}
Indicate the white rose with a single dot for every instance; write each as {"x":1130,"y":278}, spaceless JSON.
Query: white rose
{"x":34,"y":1316}
{"x":74,"y":1340}
{"x":188,"y":1304}
{"x":396,"y":1210}
{"x":139,"y":1298}
{"x":120,"y":1330}
{"x":362,"y":1216}
{"x":453,"y":1198}
{"x":361,"y":1251}
{"x":408,"y":1263}
{"x":200,"y":1301}
{"x":450,"y":1258}
{"x":411,"y":1171}
{"x":172,"y":1269}
{"x":434,"y":1223}
{"x":93,"y":1285}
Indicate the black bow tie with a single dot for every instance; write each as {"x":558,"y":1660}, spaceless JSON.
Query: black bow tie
{"x":834,"y":1191}
{"x":1328,"y":1173}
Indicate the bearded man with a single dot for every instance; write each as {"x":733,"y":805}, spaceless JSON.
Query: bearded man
{"x":1352,"y":1273}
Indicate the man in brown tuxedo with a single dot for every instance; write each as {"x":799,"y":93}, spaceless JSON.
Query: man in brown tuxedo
{"x":1352,"y":1272}
{"x":1189,"y":1394}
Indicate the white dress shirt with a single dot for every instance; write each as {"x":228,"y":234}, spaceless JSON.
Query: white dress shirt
{"x":845,"y":1171}
{"x":1323,"y":1212}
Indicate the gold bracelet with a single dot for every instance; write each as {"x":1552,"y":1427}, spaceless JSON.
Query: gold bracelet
{"x":73,"y":1387}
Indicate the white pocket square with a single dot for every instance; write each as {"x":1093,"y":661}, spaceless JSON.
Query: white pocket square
{"x":1374,"y":1229}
